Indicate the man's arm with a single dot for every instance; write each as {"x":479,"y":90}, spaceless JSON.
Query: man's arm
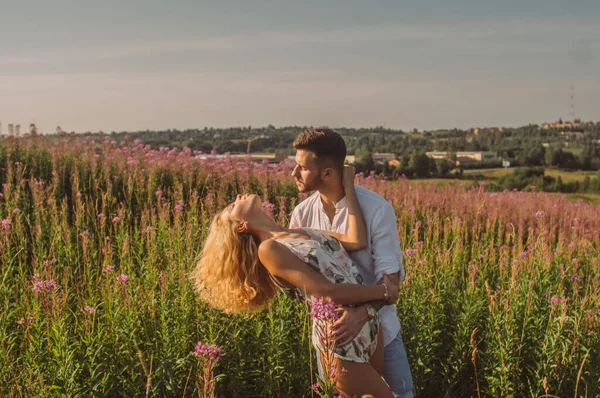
{"x":387,"y":259}
{"x":385,"y":245}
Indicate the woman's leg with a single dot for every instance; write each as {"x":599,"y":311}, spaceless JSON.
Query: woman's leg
{"x":364,"y":378}
{"x":377,"y":358}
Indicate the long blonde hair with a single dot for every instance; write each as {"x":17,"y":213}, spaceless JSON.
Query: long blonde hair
{"x":229,"y":275}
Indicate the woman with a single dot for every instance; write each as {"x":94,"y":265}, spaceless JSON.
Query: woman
{"x":247,"y":256}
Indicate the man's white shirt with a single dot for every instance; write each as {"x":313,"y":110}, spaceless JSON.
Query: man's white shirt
{"x":382,"y":254}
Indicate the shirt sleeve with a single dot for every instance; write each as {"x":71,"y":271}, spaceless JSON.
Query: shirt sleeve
{"x":385,"y":245}
{"x":295,"y":218}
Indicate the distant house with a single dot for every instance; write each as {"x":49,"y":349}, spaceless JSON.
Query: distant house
{"x":463,"y":160}
{"x":562,"y":125}
{"x":480,"y":156}
{"x":380,"y":158}
{"x":255,"y":157}
{"x":394,"y":163}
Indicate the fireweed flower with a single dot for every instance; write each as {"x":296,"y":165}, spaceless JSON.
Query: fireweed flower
{"x":24,"y":320}
{"x":268,"y":206}
{"x":208,"y":351}
{"x":88,"y":309}
{"x":122,"y":279}
{"x":410,"y":252}
{"x":46,"y":286}
{"x":323,"y":310}
{"x":5,"y":223}
{"x":108,"y":268}
{"x":179,"y":206}
{"x":116,"y":220}
{"x":575,"y":278}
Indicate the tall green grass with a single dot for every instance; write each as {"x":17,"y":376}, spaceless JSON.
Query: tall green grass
{"x":504,"y":287}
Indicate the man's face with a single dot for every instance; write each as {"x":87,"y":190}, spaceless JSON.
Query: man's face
{"x":307,"y":175}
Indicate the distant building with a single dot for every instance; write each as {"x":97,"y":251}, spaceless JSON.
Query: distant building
{"x":478,"y":130}
{"x":380,"y":158}
{"x":562,"y":125}
{"x":481,"y":156}
{"x":394,"y":163}
{"x":462,"y":160}
{"x":255,"y":157}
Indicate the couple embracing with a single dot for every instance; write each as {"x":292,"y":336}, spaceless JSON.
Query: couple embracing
{"x":341,"y":245}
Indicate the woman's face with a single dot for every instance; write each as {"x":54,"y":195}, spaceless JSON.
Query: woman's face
{"x":243,"y":209}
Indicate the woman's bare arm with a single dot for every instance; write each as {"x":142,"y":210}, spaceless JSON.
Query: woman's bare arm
{"x":283,"y":264}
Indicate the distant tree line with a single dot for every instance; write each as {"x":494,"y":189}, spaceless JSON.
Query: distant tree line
{"x":526,"y":146}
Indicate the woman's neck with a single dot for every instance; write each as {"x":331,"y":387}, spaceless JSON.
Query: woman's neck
{"x":265,"y":228}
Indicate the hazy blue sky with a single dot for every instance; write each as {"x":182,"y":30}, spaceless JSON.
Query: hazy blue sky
{"x":427,"y":64}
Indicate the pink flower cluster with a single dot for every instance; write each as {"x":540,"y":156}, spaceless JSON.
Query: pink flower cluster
{"x":88,"y":309}
{"x":268,"y":206}
{"x":23,"y":320}
{"x":323,"y":310}
{"x":208,"y":351}
{"x":410,"y":252}
{"x":556,"y":300}
{"x":122,"y":279}
{"x":108,"y":268}
{"x":40,"y":286}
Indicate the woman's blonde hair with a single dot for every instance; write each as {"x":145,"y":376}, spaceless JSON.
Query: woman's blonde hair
{"x":229,"y":275}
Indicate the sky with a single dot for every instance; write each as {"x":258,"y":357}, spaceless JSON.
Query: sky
{"x":428,"y":64}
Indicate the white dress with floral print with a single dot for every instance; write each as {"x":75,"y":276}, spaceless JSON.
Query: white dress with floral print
{"x":326,"y":255}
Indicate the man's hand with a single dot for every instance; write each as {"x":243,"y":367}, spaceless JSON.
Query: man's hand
{"x":347,"y":327}
{"x":392,"y":289}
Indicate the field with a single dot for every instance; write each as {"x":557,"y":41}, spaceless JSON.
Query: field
{"x":97,"y":241}
{"x":566,"y":176}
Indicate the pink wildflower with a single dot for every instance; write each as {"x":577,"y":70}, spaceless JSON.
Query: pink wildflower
{"x":89,"y":310}
{"x":410,"y":252}
{"x":16,"y":210}
{"x":108,"y":268}
{"x":323,"y":310}
{"x":269,"y":207}
{"x":122,"y":279}
{"x":45,"y":286}
{"x":315,"y":387}
{"x":101,"y":215}
{"x":207,"y":351}
{"x":116,"y":220}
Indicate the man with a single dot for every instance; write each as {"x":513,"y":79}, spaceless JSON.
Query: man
{"x":320,"y":156}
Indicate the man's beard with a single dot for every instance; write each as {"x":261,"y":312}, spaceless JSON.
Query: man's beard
{"x":309,"y":186}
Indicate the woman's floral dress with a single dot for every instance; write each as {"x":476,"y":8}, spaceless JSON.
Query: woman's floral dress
{"x":326,"y":255}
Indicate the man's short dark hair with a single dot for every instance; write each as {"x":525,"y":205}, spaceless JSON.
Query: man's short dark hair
{"x":327,"y":144}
